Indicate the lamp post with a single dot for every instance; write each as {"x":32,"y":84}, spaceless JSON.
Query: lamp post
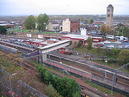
{"x":105,"y":74}
{"x":114,"y":76}
{"x":60,"y":61}
{"x":10,"y":81}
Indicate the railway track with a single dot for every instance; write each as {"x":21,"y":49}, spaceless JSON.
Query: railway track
{"x":84,"y":87}
{"x":121,"y":84}
{"x":96,"y":71}
{"x":16,"y":46}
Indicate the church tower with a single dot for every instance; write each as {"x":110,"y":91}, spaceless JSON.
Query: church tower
{"x":109,"y":17}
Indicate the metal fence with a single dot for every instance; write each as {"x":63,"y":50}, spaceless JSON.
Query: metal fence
{"x":16,"y":88}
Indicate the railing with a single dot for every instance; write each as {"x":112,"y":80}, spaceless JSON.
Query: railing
{"x":16,"y":88}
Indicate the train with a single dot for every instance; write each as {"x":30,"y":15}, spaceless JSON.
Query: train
{"x":37,"y":44}
{"x":65,"y":51}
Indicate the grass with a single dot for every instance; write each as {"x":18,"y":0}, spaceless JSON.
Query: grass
{"x":98,"y":87}
{"x":94,"y":52}
{"x":22,"y":74}
{"x":46,"y":32}
{"x":18,"y":30}
{"x":25,"y":30}
{"x":103,"y":89}
{"x":90,"y":83}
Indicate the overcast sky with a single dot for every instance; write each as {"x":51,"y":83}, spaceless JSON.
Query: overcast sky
{"x":59,"y":7}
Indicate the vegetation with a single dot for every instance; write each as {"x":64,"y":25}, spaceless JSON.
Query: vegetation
{"x":113,"y":56}
{"x":123,"y":57}
{"x":89,"y":41}
{"x":66,"y":87}
{"x":3,"y":30}
{"x":122,"y":30}
{"x":110,"y":53}
{"x":30,"y":23}
{"x":103,"y":89}
{"x":105,"y":29}
{"x":42,"y":22}
{"x":90,"y":21}
{"x":51,"y":92}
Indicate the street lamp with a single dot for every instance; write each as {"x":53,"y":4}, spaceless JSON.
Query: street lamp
{"x":60,"y":60}
{"x":114,"y":76}
{"x":10,"y":81}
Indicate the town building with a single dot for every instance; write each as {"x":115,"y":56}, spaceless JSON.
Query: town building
{"x":98,"y":24}
{"x":6,"y":24}
{"x":77,"y":38}
{"x":54,"y":26}
{"x":69,"y":25}
{"x":109,"y":16}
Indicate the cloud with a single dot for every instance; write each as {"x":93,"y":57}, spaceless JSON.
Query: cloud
{"x":19,"y":7}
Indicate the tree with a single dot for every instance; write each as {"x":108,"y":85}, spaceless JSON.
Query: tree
{"x":30,"y":22}
{"x":90,"y":21}
{"x":122,"y":30}
{"x":42,"y":22}
{"x":105,"y":29}
{"x":89,"y":42}
{"x":123,"y":57}
{"x":3,"y":30}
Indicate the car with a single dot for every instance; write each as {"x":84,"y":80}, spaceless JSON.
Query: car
{"x":67,"y":52}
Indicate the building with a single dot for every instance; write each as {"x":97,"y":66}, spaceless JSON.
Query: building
{"x":54,"y":26}
{"x":6,"y":24}
{"x":77,"y":38}
{"x":109,"y":16}
{"x":69,"y":25}
{"x":98,"y":24}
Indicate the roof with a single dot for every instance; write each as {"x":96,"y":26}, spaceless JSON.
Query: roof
{"x":6,"y":24}
{"x":54,"y":44}
{"x":110,"y":5}
{"x":98,"y":23}
{"x":74,"y":20}
{"x":75,"y":36}
{"x":55,"y":21}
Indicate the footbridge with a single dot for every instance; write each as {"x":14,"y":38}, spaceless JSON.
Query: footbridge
{"x":42,"y":51}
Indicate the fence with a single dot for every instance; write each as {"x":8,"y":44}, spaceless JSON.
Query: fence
{"x":16,"y":88}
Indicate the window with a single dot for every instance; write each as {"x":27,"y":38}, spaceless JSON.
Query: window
{"x":108,"y":10}
{"x":108,"y":15}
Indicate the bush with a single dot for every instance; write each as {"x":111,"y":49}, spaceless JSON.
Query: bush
{"x":89,"y":42}
{"x":123,"y":57}
{"x":51,"y":92}
{"x":65,"y":86}
{"x":3,"y":30}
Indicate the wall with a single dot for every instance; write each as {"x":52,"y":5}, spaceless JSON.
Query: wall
{"x":75,"y":26}
{"x":66,"y":25}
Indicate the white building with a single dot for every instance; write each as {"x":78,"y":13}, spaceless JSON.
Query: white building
{"x":66,"y":25}
{"x":54,"y":26}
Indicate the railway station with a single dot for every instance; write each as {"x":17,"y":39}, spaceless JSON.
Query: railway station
{"x":48,"y":52}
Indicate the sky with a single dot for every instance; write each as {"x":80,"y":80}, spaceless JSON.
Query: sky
{"x":62,"y":7}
